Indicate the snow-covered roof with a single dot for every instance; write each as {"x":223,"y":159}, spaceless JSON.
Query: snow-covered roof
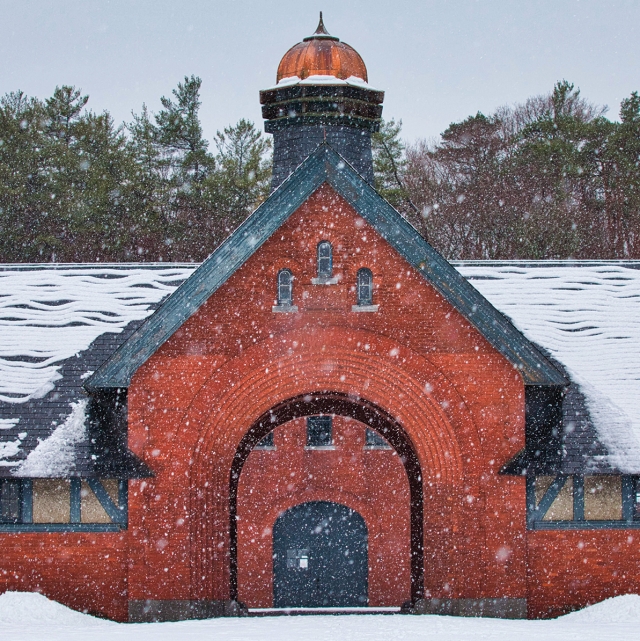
{"x":587,"y":316}
{"x":49,"y":314}
{"x":352,"y":81}
{"x":59,"y":323}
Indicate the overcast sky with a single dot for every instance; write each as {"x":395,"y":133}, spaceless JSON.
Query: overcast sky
{"x":437,"y":61}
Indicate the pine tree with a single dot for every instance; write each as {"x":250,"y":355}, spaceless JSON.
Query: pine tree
{"x":179,"y":135}
{"x":243,"y":172}
{"x":26,"y":226}
{"x":389,"y":162}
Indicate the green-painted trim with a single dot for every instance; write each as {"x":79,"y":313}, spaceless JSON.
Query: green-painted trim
{"x":117,"y":513}
{"x":75,"y":513}
{"x":112,"y":510}
{"x":26,"y":500}
{"x":324,"y":165}
{"x":628,"y":497}
{"x":549,"y":497}
{"x":123,"y":500}
{"x":578,"y":497}
{"x":536,"y":514}
{"x":585,"y":525}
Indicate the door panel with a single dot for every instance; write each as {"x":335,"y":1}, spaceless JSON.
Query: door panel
{"x":320,"y":557}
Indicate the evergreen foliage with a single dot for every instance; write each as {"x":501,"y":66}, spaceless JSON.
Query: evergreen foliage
{"x":551,"y":178}
{"x":76,"y":187}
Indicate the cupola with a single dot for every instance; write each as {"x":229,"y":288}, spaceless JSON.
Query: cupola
{"x":322,"y":54}
{"x":322,"y":95}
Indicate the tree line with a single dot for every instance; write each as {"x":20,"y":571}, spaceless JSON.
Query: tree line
{"x":547,"y":179}
{"x":74,"y":186}
{"x":552,"y":178}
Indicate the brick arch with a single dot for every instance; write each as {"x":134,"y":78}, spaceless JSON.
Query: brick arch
{"x":344,"y":405}
{"x":400,"y":382}
{"x":333,"y":495}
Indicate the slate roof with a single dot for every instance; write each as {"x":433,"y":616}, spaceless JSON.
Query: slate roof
{"x":586,"y":315}
{"x":58,"y":323}
{"x":598,"y":297}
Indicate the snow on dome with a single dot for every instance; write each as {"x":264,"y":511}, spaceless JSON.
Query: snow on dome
{"x":587,"y":315}
{"x":50,"y":314}
{"x":352,"y":81}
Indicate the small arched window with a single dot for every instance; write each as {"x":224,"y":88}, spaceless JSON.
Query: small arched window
{"x":325,"y":259}
{"x":365,"y":287}
{"x":285,"y":288}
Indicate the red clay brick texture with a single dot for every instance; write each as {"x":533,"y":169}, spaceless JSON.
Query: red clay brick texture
{"x":459,"y":401}
{"x":571,"y":569}
{"x":372,"y":482}
{"x":87,"y":572}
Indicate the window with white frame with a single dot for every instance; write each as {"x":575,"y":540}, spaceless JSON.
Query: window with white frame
{"x":285,"y":288}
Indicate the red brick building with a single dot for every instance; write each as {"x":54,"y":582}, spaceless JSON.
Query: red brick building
{"x":325,"y":413}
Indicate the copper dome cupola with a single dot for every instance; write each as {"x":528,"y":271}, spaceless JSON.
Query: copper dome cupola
{"x":322,"y":54}
{"x":322,"y":95}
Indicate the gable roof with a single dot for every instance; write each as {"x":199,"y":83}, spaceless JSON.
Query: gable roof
{"x":324,"y":165}
{"x":58,"y":324}
{"x":583,"y":314}
{"x":586,"y":316}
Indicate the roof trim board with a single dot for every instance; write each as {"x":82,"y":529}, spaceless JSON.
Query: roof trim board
{"x":324,"y":165}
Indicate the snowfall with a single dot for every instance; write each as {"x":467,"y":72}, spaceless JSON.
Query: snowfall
{"x":26,"y":615}
{"x":585,"y":314}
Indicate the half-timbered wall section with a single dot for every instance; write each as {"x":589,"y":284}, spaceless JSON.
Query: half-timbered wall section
{"x":595,"y":501}
{"x":63,"y":505}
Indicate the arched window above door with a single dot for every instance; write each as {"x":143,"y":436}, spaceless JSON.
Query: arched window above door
{"x":324,"y":257}
{"x":285,"y":292}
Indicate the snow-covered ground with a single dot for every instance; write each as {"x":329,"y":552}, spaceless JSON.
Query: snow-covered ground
{"x":27,"y":616}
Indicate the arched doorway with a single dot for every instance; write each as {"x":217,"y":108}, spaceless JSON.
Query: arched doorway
{"x":361,"y":410}
{"x":320,"y":557}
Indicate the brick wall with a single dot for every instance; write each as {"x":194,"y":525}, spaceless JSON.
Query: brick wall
{"x":87,"y":572}
{"x":571,"y":569}
{"x":460,"y":402}
{"x":372,"y":482}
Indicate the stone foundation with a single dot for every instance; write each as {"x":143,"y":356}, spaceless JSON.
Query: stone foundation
{"x":500,"y":608}
{"x":153,"y":611}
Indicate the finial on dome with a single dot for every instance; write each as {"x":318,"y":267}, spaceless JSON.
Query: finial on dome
{"x":321,"y":55}
{"x":321,"y":28}
{"x":321,"y":32}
